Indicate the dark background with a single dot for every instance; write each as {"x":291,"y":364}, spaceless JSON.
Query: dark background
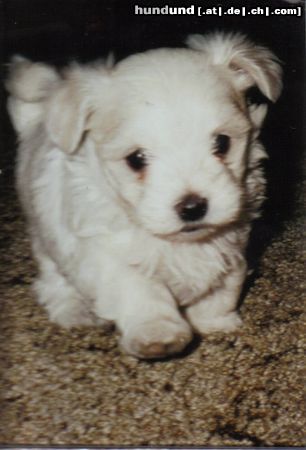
{"x":59,"y":31}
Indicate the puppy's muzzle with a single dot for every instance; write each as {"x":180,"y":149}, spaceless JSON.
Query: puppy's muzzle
{"x":192,"y":208}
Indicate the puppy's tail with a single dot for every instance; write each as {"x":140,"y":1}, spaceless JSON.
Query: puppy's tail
{"x":29,"y":85}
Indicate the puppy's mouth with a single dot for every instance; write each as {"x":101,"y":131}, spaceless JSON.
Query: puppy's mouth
{"x":197,"y":232}
{"x":191,"y":228}
{"x":189,"y":233}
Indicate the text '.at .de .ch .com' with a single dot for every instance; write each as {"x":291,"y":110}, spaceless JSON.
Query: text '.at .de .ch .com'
{"x":194,"y":10}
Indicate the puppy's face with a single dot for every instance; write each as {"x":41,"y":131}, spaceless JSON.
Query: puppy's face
{"x":177,"y":158}
{"x":172,"y":130}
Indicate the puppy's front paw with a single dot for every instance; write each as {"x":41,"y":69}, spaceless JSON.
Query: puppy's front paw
{"x":227,"y":323}
{"x":157,"y":339}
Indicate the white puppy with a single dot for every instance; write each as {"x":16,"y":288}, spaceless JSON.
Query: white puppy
{"x":140,"y":182}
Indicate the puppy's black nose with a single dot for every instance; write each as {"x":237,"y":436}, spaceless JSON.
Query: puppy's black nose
{"x":192,"y":208}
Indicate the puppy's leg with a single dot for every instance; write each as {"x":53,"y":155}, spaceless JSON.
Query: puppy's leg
{"x":143,"y":310}
{"x":216,"y":312}
{"x":145,"y":314}
{"x":64,"y":304}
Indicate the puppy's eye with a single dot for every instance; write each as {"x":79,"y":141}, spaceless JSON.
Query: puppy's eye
{"x":222,"y":145}
{"x":136,"y":160}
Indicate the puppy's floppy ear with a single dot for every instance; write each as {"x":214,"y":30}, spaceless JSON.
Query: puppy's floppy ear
{"x":67,"y":116}
{"x":248,"y":64}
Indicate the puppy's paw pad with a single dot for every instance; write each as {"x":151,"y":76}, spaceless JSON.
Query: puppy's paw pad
{"x":226,"y":324}
{"x":157,"y":339}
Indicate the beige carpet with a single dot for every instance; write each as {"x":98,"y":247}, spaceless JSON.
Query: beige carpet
{"x":60,"y":387}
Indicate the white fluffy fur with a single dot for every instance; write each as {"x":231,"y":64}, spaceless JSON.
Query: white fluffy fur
{"x":108,"y":241}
